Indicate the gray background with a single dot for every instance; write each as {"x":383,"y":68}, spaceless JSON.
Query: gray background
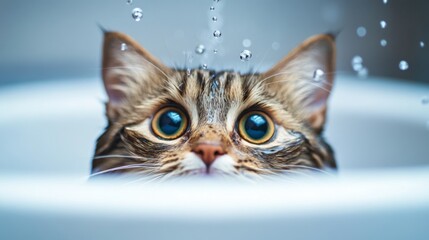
{"x":51,"y":39}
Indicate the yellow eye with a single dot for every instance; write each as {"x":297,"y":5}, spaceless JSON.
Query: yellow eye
{"x":169,"y":123}
{"x":256,"y":127}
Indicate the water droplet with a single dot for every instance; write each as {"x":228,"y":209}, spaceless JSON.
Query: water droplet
{"x":129,"y":2}
{"x":422,"y":44}
{"x":124,"y":47}
{"x":247,"y":43}
{"x":137,"y":14}
{"x":204,"y":66}
{"x":403,"y":65}
{"x":318,"y":75}
{"x":357,"y":59}
{"x":357,"y":63}
{"x":383,"y":42}
{"x":200,"y":49}
{"x":383,"y":24}
{"x":214,"y":19}
{"x":214,"y":51}
{"x":361,"y":31}
{"x":245,"y":55}
{"x":275,"y":46}
{"x":385,"y":1}
{"x":217,"y":33}
{"x":212,"y":8}
{"x":363,"y":72}
{"x":425,"y":100}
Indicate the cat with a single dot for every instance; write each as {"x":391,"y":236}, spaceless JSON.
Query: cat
{"x":165,"y":123}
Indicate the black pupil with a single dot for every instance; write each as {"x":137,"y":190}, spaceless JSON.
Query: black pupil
{"x":170,"y":122}
{"x":256,"y":126}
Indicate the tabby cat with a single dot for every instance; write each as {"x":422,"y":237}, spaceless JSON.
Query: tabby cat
{"x":164,"y":123}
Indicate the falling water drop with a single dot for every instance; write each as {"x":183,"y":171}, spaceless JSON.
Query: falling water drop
{"x":214,"y":19}
{"x":137,"y":14}
{"x":363,"y":72}
{"x":212,"y":8}
{"x":318,"y":75}
{"x":215,"y":51}
{"x":129,"y":2}
{"x":217,"y":34}
{"x":245,"y":55}
{"x":361,"y":31}
{"x":204,"y":66}
{"x":124,"y":47}
{"x":247,"y":43}
{"x":357,"y":63}
{"x":383,"y":24}
{"x":200,"y":49}
{"x":383,"y":42}
{"x":422,"y":44}
{"x":403,"y":65}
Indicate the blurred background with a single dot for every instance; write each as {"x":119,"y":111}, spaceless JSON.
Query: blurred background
{"x":60,"y":39}
{"x":51,"y":94}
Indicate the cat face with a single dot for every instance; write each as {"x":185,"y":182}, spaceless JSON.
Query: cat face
{"x":165,"y":123}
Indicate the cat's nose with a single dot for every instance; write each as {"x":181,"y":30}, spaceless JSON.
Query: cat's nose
{"x":208,"y":152}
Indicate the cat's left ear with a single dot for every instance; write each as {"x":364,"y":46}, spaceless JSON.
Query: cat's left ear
{"x":128,"y":68}
{"x":304,"y":78}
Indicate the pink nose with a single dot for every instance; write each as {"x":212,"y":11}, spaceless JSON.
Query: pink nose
{"x":208,"y":152}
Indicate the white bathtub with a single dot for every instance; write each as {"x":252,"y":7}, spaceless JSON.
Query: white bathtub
{"x":378,"y":129}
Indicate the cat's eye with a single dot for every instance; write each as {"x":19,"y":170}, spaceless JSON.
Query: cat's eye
{"x":256,"y":127}
{"x":169,"y":123}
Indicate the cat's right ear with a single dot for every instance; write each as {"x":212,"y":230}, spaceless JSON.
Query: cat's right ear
{"x":127,"y":68}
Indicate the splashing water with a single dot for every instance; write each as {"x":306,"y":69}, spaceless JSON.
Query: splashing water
{"x":318,"y":75}
{"x":200,"y":49}
{"x":383,"y":42}
{"x":124,"y":47}
{"x":383,"y":24}
{"x":245,"y":55}
{"x":137,"y":14}
{"x":247,"y":43}
{"x":361,"y":31}
{"x":403,"y":65}
{"x":217,"y":34}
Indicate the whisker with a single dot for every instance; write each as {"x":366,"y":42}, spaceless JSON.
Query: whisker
{"x":130,"y":166}
{"x":117,"y":156}
{"x":310,"y":168}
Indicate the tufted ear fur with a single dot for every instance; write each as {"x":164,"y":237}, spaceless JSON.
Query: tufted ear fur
{"x":293,"y":79}
{"x":128,"y":67}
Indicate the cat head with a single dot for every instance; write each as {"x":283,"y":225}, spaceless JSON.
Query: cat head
{"x":164,"y":122}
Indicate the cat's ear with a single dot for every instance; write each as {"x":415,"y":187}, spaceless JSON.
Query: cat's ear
{"x":127,"y":67}
{"x":304,"y":78}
